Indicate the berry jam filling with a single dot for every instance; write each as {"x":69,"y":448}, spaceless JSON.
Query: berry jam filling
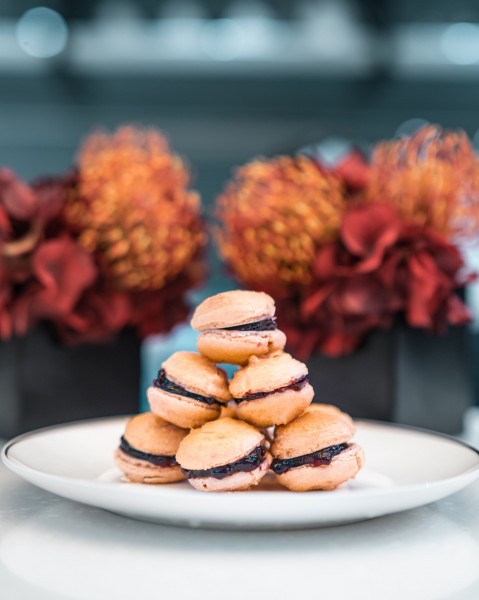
{"x":264,"y":325}
{"x":295,"y":385}
{"x":167,"y":385}
{"x":315,"y":459}
{"x":245,"y":464}
{"x":159,"y":460}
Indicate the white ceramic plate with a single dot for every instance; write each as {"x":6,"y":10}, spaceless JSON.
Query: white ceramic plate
{"x":405,"y":468}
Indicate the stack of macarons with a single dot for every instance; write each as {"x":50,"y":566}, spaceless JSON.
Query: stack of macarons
{"x":225,"y":435}
{"x":233,"y":326}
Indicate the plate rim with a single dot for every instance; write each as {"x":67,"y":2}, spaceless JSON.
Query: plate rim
{"x":136,"y":488}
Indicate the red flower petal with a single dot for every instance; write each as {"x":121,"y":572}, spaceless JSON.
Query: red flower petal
{"x":325,"y":262}
{"x":16,"y":196}
{"x":457,"y":311}
{"x":158,"y":311}
{"x":5,"y":226}
{"x":364,"y":295}
{"x":388,"y":271}
{"x":353,"y":170}
{"x":447,"y":256}
{"x":302,"y":342}
{"x":426,"y":288}
{"x":98,"y":317}
{"x":51,"y":195}
{"x":6,"y":329}
{"x":313,"y":302}
{"x":367,"y":231}
{"x":65,"y":271}
{"x":339,"y":344}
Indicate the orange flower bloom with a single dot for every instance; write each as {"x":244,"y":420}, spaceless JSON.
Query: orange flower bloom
{"x":273,"y":216}
{"x":133,"y":206}
{"x":431,"y":178}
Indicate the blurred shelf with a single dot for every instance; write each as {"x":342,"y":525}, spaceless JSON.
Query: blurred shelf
{"x":330,"y":43}
{"x":436,"y":50}
{"x":226,"y":47}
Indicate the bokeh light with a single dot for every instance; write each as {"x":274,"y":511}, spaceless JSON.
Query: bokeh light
{"x":460,"y":43}
{"x":42,"y":32}
{"x":410,"y":126}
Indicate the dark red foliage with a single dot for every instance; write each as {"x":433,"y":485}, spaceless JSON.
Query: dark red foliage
{"x":97,"y":317}
{"x":380,"y":267}
{"x":353,"y":169}
{"x":43,"y":270}
{"x":158,"y":311}
{"x":17,"y":198}
{"x":63,"y":270}
{"x":46,"y":275}
{"x":50,"y":194}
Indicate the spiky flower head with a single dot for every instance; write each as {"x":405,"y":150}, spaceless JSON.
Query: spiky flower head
{"x":430,"y":177}
{"x":132,"y":205}
{"x":273,"y":216}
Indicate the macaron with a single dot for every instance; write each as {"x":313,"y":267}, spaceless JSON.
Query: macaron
{"x":314,"y":451}
{"x":236,"y":325}
{"x":147,"y":451}
{"x":224,"y":456}
{"x":334,"y":410}
{"x":272,"y":390}
{"x":189,"y":391}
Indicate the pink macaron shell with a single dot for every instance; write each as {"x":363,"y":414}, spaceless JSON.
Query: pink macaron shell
{"x":181,"y":411}
{"x":142,"y":471}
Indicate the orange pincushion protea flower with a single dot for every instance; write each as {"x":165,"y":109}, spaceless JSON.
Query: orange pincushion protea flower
{"x":132,"y":205}
{"x":430,"y":178}
{"x":274,"y":214}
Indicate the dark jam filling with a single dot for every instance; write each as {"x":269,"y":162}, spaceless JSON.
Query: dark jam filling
{"x":296,"y":386}
{"x":264,"y":325}
{"x":167,"y":385}
{"x":159,"y":460}
{"x":315,"y":459}
{"x":245,"y":464}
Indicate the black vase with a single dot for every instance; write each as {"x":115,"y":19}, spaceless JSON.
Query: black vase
{"x":43,"y":382}
{"x":405,"y":375}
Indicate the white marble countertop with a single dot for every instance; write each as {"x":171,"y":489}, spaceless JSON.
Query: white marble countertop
{"x":52,"y":549}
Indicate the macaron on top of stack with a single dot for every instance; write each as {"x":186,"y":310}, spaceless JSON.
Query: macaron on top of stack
{"x":314,"y":450}
{"x":271,"y":390}
{"x":333,"y":410}
{"x":236,"y":325}
{"x":147,"y":452}
{"x":224,"y":455}
{"x":189,"y":391}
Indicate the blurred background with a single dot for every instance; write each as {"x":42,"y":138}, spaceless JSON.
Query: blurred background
{"x":228,"y":80}
{"x":231,"y":79}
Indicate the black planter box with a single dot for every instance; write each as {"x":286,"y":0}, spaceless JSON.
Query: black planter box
{"x":404,"y":375}
{"x":44,"y":383}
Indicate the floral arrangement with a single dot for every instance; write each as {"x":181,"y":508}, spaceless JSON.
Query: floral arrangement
{"x":115,"y":243}
{"x":349,"y":248}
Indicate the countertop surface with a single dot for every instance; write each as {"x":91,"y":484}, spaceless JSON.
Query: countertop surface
{"x":51,"y":548}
